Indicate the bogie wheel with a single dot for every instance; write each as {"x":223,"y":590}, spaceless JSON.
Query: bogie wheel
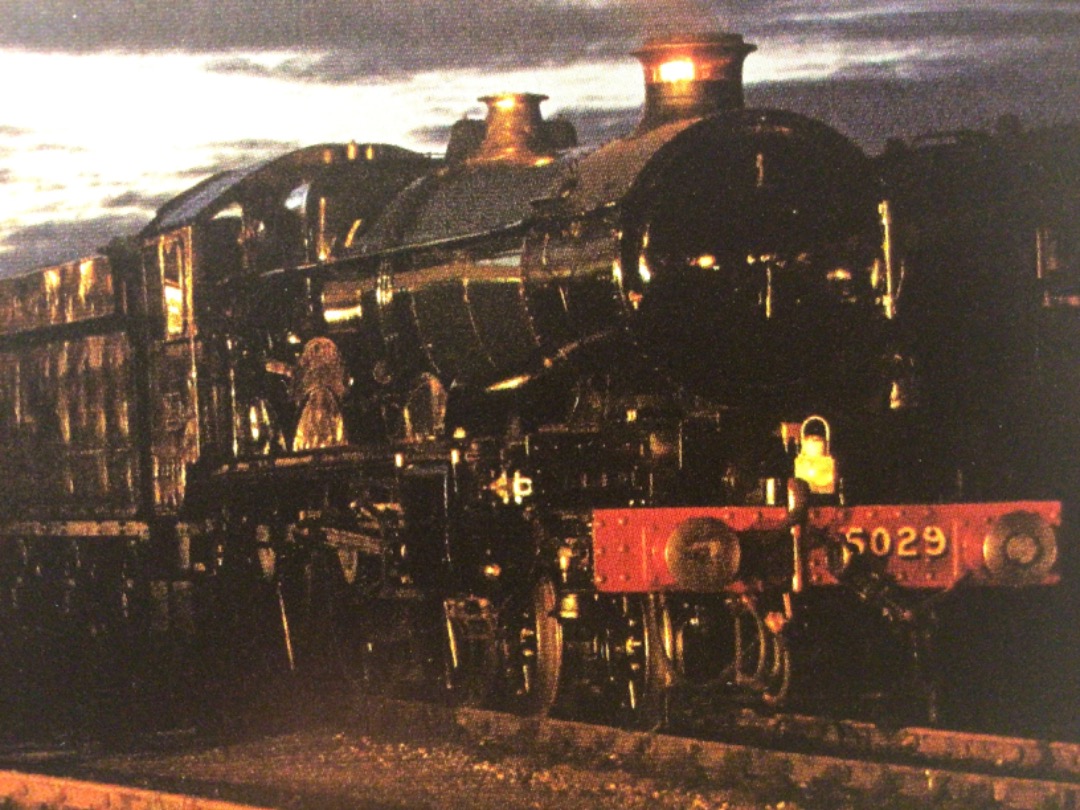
{"x":717,"y":645}
{"x":532,"y":650}
{"x":638,"y":671}
{"x":751,"y":653}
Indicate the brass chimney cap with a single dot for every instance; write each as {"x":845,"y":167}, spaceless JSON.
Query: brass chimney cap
{"x":691,"y":75}
{"x":514,"y":129}
{"x":715,"y":56}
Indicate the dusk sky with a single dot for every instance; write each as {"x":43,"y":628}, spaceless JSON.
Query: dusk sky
{"x":110,"y":107}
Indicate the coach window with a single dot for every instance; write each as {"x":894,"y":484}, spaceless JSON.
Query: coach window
{"x":174,"y":273}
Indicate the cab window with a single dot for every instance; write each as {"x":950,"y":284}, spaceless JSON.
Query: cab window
{"x":169,"y":259}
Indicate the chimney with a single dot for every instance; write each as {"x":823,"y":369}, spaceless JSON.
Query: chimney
{"x":515,"y":131}
{"x":691,"y":76}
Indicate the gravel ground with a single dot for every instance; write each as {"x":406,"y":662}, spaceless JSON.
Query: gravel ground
{"x":326,"y":770}
{"x":298,"y":746}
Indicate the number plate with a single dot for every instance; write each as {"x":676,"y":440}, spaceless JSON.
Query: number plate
{"x":904,"y":542}
{"x":919,"y":545}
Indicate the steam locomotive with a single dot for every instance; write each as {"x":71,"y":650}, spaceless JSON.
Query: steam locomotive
{"x":543,"y":426}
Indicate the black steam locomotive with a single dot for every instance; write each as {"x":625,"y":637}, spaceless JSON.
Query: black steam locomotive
{"x":543,"y":425}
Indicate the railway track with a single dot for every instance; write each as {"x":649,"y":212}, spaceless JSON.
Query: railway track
{"x":804,"y":762}
{"x":43,"y":792}
{"x":981,"y":752}
{"x":924,"y":765}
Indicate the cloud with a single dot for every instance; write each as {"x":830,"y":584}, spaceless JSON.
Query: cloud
{"x":137,"y":199}
{"x":346,"y":41}
{"x":483,"y":26}
{"x":203,"y":170}
{"x":57,"y":147}
{"x":261,"y":147}
{"x":434,"y":136}
{"x":7,"y":131}
{"x":269,"y":24}
{"x":380,"y":37}
{"x":595,"y":126}
{"x":228,"y":155}
{"x":872,"y":109}
{"x":377,"y":63}
{"x":55,"y":242}
{"x":920,"y":24}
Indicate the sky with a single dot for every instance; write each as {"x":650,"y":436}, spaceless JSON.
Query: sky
{"x":110,"y":107}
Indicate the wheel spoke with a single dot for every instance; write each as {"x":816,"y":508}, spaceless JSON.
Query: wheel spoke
{"x":638,"y":672}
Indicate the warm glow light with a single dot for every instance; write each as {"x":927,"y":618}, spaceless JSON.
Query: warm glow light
{"x":384,"y":293}
{"x":86,"y":278}
{"x":352,"y":233}
{"x":324,"y":248}
{"x":253,"y":421}
{"x":52,"y":280}
{"x":679,"y":70}
{"x":896,"y":396}
{"x":506,"y":103}
{"x":510,"y":384}
{"x":706,"y":261}
{"x":343,"y":314}
{"x":174,"y":309}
